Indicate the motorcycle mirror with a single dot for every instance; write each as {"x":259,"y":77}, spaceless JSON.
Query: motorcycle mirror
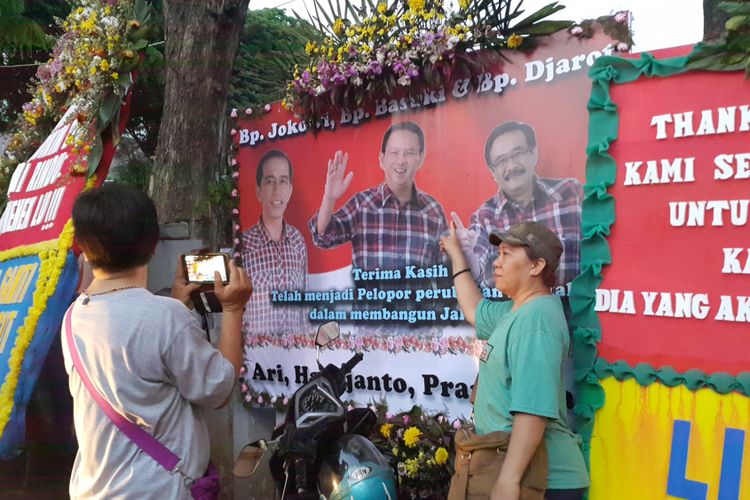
{"x":249,"y":458}
{"x":327,"y":332}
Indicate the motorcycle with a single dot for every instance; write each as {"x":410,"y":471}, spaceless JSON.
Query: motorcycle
{"x":321,"y":451}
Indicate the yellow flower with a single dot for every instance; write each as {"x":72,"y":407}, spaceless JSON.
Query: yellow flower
{"x":411,"y":436}
{"x":462,"y":4}
{"x":309,"y":48}
{"x":115,"y":75}
{"x":104,"y":65}
{"x":385,"y":430}
{"x":338,"y":26}
{"x":416,"y":5}
{"x":441,"y":456}
{"x":382,"y":7}
{"x":514,"y":41}
{"x":411,"y":467}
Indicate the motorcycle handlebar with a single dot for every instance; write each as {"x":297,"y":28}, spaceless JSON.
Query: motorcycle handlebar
{"x":347,"y":367}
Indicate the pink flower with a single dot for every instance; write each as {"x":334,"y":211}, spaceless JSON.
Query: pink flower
{"x":388,"y":415}
{"x":237,"y":255}
{"x":249,"y":112}
{"x":234,"y":162}
{"x":235,"y":211}
{"x":236,"y":241}
{"x":440,"y":419}
{"x":248,"y":397}
{"x":260,"y":400}
{"x":456,"y":424}
{"x":233,"y":114}
{"x":236,"y":227}
{"x":243,"y":370}
{"x":621,"y":17}
{"x":622,"y":47}
{"x":406,"y":419}
{"x":267,"y":108}
{"x":244,"y":388}
{"x":233,"y":132}
{"x":286,"y":400}
{"x":235,"y":175}
{"x":576,"y":30}
{"x":234,"y":193}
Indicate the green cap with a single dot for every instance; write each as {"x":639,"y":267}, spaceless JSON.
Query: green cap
{"x":535,"y":235}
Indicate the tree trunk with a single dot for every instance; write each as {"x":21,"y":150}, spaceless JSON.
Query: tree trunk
{"x":713,"y":20}
{"x":201,"y":42}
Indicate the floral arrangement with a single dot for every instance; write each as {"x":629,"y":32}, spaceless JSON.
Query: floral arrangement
{"x":89,"y":69}
{"x":421,"y":445}
{"x":409,"y":47}
{"x":617,"y":26}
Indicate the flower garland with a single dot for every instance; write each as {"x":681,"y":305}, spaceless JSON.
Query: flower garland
{"x":408,"y":46}
{"x":395,"y":344}
{"x":89,"y":69}
{"x":52,"y":255}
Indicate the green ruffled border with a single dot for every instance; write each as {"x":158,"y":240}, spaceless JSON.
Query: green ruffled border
{"x":597,"y":219}
{"x":645,"y":374}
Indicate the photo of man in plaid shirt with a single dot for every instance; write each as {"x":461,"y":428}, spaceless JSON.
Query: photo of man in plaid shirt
{"x":274,"y":252}
{"x":511,"y":153}
{"x":391,"y":225}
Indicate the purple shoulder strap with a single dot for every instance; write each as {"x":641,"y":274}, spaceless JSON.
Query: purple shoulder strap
{"x":137,"y":435}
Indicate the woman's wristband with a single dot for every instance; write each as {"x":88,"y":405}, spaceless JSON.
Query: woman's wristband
{"x":461,"y":272}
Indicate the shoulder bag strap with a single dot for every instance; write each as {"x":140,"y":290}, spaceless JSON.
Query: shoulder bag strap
{"x":150,"y":445}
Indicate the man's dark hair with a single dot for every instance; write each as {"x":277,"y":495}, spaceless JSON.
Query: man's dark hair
{"x":116,"y":226}
{"x":525,"y":128}
{"x":548,"y":274}
{"x":409,"y":127}
{"x":274,"y":153}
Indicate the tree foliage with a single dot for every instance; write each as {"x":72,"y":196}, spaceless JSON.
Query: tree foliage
{"x":271,"y":44}
{"x":27,"y":33}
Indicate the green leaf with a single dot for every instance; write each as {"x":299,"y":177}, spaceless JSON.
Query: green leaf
{"x":108,"y":109}
{"x":140,"y":44}
{"x":543,"y":28}
{"x":735,"y":8}
{"x":115,"y":128}
{"x":95,"y":155}
{"x":140,"y":10}
{"x":545,"y":11}
{"x":735,"y":23}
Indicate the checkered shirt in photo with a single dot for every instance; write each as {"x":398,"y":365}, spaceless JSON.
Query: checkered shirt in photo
{"x":556,"y":203}
{"x":383,"y":233}
{"x":274,"y":265}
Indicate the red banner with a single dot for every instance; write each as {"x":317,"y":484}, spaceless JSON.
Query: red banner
{"x":678,"y":290}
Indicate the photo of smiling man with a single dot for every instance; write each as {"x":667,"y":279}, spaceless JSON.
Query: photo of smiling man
{"x":274,"y":252}
{"x":391,"y":225}
{"x":511,"y":153}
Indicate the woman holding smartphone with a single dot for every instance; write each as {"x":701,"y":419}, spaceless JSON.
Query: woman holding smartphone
{"x":146,"y":355}
{"x":521,"y":390}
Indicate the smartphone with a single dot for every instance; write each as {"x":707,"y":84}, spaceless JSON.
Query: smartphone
{"x":200,"y":267}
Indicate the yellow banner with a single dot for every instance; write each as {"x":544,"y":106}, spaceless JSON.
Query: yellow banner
{"x":658,"y":442}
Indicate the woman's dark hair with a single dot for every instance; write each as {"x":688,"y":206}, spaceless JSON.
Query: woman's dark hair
{"x":116,"y":226}
{"x":548,"y":274}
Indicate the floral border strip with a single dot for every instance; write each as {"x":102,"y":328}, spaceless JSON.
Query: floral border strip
{"x":53,"y":255}
{"x":598,"y":217}
{"x":395,"y":344}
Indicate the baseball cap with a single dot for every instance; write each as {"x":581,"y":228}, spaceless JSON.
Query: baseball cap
{"x":535,"y":235}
